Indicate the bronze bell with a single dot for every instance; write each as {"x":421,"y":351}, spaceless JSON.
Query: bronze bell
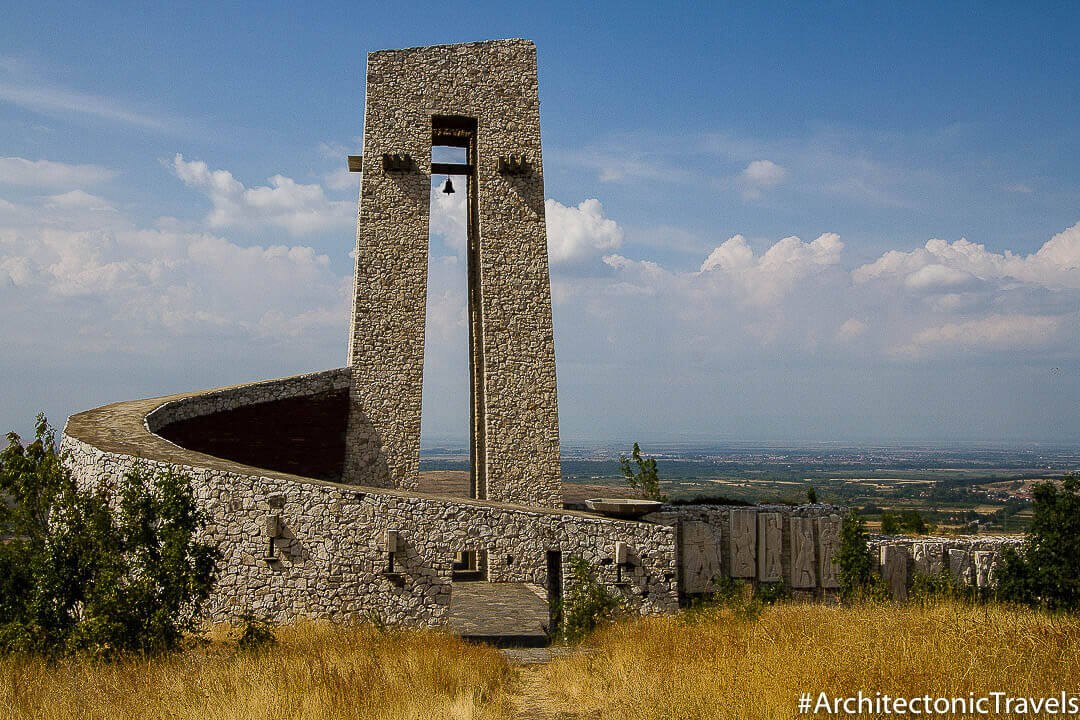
{"x":448,"y":188}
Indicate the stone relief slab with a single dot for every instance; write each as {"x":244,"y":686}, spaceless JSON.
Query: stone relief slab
{"x":985,"y":565}
{"x":828,"y":547}
{"x":743,"y":539}
{"x":960,"y":566}
{"x":700,"y":556}
{"x":803,"y":575}
{"x":770,"y":547}
{"x":928,"y":557}
{"x":894,"y":564}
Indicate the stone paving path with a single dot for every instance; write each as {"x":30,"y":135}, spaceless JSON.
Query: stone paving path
{"x":501,"y":614}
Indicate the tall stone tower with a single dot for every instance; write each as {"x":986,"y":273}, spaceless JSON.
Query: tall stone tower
{"x":481,"y":97}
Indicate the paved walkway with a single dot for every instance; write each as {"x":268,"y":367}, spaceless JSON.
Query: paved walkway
{"x":502,"y":614}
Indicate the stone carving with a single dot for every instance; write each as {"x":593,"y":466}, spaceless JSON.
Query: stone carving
{"x":481,"y":97}
{"x":802,"y":553}
{"x":743,"y":539}
{"x":770,"y":547}
{"x":928,"y":557}
{"x":894,"y":563}
{"x":700,"y":556}
{"x":828,"y":546}
{"x":960,"y":567}
{"x":985,"y":566}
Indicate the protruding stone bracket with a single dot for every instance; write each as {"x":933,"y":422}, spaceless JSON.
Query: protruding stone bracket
{"x":394,"y":162}
{"x":622,"y":559}
{"x":356,"y":163}
{"x":272,"y":530}
{"x":513,"y":165}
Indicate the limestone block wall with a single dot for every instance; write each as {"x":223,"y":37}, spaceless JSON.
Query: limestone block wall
{"x":493,"y":84}
{"x":331,"y":555}
{"x":795,"y":545}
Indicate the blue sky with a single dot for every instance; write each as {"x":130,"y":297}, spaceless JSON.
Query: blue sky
{"x":773,"y":223}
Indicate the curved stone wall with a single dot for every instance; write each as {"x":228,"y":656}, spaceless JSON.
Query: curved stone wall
{"x":331,"y":554}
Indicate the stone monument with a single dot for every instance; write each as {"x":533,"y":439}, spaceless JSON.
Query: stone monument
{"x":480,"y":97}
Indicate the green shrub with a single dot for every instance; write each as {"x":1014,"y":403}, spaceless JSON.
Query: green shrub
{"x":81,"y":575}
{"x":1046,"y":570}
{"x":586,"y":604}
{"x":772,"y":593}
{"x":257,"y":633}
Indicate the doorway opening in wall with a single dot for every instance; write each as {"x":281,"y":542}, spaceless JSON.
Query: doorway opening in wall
{"x":451,"y":426}
{"x":470,"y":565}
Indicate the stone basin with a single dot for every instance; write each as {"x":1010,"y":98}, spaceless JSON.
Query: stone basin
{"x":623,"y":507}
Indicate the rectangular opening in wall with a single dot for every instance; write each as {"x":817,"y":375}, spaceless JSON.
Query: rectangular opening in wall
{"x":445,"y":451}
{"x":470,"y":565}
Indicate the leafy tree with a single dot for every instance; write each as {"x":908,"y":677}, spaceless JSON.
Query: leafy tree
{"x":912,"y":521}
{"x":890,"y":523}
{"x":78,"y":573}
{"x":645,"y":480}
{"x":811,"y":496}
{"x":1046,"y":570}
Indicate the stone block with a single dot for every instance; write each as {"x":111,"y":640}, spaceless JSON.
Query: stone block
{"x":700,"y":556}
{"x":803,"y":576}
{"x":961,"y":568}
{"x":894,"y":565}
{"x":743,"y":542}
{"x":828,"y":547}
{"x":985,"y":566}
{"x":928,"y":557}
{"x":770,"y":547}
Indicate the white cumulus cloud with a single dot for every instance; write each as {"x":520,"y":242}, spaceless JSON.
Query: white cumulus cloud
{"x":760,"y":175}
{"x":299,"y":209}
{"x":944,"y":264}
{"x":578,"y":233}
{"x":767,"y":278}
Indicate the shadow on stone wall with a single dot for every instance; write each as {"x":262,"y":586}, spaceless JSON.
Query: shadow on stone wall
{"x":303,"y":436}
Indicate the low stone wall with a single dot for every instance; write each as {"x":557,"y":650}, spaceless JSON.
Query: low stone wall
{"x":795,"y":545}
{"x":331,"y":558}
{"x":968,"y":559}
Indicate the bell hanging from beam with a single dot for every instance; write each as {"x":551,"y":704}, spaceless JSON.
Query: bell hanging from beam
{"x":448,"y":188}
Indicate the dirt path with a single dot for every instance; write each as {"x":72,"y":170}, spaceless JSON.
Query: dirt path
{"x":533,"y":699}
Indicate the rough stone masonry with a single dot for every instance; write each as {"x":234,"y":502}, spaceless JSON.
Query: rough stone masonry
{"x":481,"y":97}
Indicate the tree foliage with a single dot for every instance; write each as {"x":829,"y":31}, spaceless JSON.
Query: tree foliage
{"x":645,"y":481}
{"x":1045,"y":572}
{"x":855,"y":561}
{"x":80,"y":573}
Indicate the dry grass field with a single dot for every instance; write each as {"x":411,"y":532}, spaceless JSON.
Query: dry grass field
{"x":706,"y":664}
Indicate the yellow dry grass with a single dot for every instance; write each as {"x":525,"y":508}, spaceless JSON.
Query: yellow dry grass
{"x":714,"y":665}
{"x":705,"y":664}
{"x":316,"y":671}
